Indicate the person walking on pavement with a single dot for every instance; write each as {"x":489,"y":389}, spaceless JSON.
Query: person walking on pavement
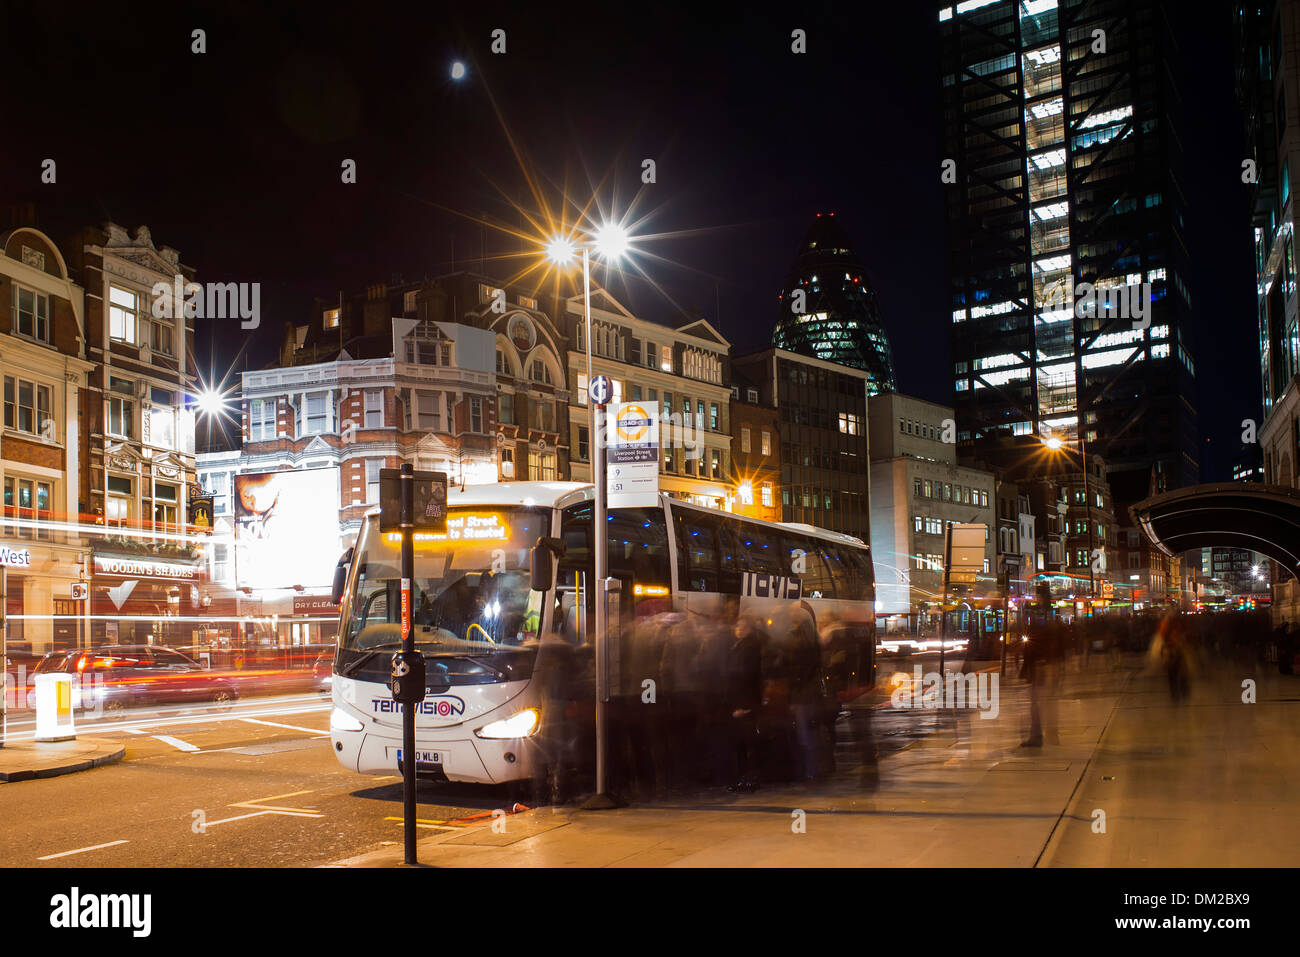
{"x":807,"y":704}
{"x":1041,"y":670}
{"x":1173,"y":653}
{"x":744,"y":695}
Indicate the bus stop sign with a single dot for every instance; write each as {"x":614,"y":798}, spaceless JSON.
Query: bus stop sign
{"x":600,"y":389}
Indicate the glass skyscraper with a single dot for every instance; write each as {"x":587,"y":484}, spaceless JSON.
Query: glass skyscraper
{"x":1067,"y":266}
{"x":829,"y":310}
{"x":1265,"y":62}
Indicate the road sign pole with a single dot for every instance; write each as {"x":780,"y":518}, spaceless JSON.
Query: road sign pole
{"x":600,"y":535}
{"x":408,"y":647}
{"x":1006,"y":616}
{"x":947,"y":565}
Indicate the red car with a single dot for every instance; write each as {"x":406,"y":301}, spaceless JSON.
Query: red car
{"x":322,"y":672}
{"x":116,"y":677}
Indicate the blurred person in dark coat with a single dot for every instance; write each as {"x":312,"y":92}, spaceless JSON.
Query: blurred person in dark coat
{"x":1041,"y":669}
{"x":807,"y":707}
{"x":743,"y":696}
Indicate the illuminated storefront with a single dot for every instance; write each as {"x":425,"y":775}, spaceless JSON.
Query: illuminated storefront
{"x":148,"y":598}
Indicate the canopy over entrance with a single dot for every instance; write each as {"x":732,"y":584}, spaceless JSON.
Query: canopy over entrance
{"x":1262,"y":518}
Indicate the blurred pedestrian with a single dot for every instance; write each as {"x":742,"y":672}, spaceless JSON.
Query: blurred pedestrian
{"x":1041,"y":669}
{"x":1174,"y":654}
{"x":807,"y":694}
{"x":743,"y":698}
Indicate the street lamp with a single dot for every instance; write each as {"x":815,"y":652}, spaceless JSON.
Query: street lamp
{"x":610,"y":242}
{"x":1054,"y":444}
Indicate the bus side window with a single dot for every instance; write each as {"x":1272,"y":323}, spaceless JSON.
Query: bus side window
{"x":842,"y":569}
{"x":731,"y":557}
{"x":638,"y":545}
{"x":759,"y":550}
{"x":698,"y":548}
{"x":865,"y":576}
{"x":816,"y":579}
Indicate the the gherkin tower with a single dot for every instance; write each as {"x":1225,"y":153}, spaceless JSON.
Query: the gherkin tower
{"x":836,"y":318}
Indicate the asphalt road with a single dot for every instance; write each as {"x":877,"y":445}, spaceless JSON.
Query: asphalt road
{"x":253,"y":786}
{"x":256,"y":786}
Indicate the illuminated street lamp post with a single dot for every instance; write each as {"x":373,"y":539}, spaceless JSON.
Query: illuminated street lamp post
{"x":611,"y":242}
{"x":1056,"y":445}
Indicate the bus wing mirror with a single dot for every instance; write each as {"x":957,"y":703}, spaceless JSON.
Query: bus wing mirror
{"x":341,"y":576}
{"x":541,"y":567}
{"x":541,"y":561}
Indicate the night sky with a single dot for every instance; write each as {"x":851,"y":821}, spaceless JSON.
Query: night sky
{"x":233,"y":156}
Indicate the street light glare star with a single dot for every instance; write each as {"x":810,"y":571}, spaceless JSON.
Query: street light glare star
{"x":1053,"y":443}
{"x":560,"y":250}
{"x":611,"y":241}
{"x":458,"y":70}
{"x":210,"y":402}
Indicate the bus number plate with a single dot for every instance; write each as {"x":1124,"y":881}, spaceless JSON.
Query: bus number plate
{"x":421,"y":757}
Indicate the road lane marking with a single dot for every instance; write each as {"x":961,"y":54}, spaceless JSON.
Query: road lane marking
{"x":121,"y":727}
{"x":291,"y":727}
{"x":259,"y":807}
{"x":176,"y":743}
{"x":135,"y":730}
{"x":428,"y":825}
{"x":81,"y":850}
{"x":240,"y":817}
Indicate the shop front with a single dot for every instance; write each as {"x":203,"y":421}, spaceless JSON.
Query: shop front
{"x":146,"y":600}
{"x":42,"y":585}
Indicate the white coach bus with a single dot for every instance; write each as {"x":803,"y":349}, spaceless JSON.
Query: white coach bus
{"x":493,"y":642}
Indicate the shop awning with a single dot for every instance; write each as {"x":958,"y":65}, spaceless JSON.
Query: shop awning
{"x":1262,"y":518}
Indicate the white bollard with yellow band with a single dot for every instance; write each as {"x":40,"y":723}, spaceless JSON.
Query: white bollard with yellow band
{"x":54,"y":708}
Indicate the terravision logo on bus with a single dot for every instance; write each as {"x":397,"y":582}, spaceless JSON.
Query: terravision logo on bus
{"x":443,"y":706}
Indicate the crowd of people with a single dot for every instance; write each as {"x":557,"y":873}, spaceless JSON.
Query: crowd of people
{"x":727,"y":699}
{"x":731,"y":699}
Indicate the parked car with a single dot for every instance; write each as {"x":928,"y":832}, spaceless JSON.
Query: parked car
{"x":322,"y":672}
{"x":117,"y":677}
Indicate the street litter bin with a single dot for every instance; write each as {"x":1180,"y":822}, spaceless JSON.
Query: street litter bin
{"x":54,"y":708}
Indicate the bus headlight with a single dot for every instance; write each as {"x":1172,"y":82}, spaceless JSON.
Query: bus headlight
{"x":340,"y":720}
{"x":519,"y":725}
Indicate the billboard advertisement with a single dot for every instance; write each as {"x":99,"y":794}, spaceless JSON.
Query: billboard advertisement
{"x":287,"y":528}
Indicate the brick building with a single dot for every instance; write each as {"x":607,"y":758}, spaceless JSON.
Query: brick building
{"x":44,"y":369}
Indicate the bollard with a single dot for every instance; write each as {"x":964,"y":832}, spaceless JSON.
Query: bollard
{"x":54,"y":708}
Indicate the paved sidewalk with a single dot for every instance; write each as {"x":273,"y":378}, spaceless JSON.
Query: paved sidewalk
{"x":966,"y":794}
{"x":1211,"y":782}
{"x":24,"y":760}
